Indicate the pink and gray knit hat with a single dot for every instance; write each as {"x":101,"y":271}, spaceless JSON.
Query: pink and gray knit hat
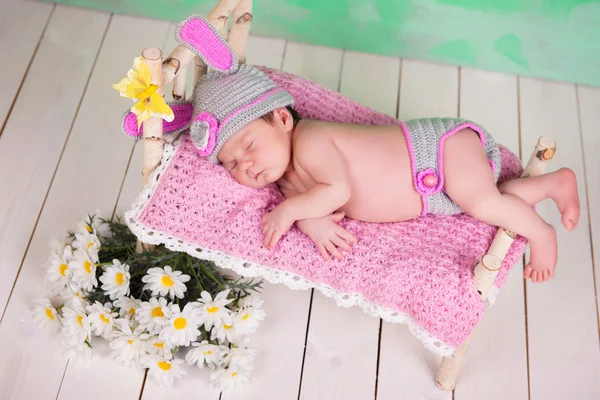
{"x":230,"y":96}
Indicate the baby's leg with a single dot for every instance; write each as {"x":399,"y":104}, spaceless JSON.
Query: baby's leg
{"x":469,"y":182}
{"x":560,"y":186}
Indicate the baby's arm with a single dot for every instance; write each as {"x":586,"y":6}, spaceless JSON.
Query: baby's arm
{"x":325,"y":232}
{"x":317,"y":155}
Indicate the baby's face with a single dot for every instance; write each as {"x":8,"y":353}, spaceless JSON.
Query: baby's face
{"x":259,"y":153}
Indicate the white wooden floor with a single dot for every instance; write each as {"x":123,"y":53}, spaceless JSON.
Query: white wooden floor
{"x":61,"y":156}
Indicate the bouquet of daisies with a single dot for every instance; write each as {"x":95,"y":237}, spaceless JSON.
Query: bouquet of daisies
{"x":151,"y":306}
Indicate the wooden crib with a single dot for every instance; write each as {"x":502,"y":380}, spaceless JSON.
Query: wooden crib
{"x":173,"y":69}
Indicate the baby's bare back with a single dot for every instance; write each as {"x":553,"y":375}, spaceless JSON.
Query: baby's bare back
{"x":378,"y":167}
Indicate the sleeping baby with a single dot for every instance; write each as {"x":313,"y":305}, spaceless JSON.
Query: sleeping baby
{"x":327,"y":171}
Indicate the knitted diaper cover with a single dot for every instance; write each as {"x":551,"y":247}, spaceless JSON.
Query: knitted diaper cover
{"x":425,"y":140}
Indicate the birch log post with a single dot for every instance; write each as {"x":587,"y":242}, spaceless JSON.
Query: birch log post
{"x":152,"y":128}
{"x":487,"y":269}
{"x":240,"y":28}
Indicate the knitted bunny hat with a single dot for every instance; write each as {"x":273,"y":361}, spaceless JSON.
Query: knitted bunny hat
{"x":231,"y":96}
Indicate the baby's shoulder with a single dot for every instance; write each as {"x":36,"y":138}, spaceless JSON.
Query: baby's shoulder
{"x":311,"y":141}
{"x":309,"y":134}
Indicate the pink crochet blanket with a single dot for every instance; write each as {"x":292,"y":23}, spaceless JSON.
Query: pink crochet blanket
{"x":418,"y":272}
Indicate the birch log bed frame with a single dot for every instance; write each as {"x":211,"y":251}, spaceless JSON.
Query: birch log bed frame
{"x":174,"y":69}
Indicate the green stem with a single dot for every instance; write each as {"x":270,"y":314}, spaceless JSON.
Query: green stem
{"x":194,"y":273}
{"x":211,"y":276}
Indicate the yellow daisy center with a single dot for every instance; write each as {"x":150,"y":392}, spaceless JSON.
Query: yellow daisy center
{"x":207,"y":352}
{"x":180,"y":323}
{"x":227,"y":327}
{"x":88,"y":228}
{"x":87,"y":266}
{"x":233,"y":374}
{"x":212,"y":309}
{"x":167,"y":281}
{"x":160,"y":345}
{"x":103,"y":318}
{"x":90,"y":244}
{"x":130,"y":341}
{"x":119,"y":278}
{"x":49,"y":313}
{"x":165,"y":366}
{"x":80,"y":320}
{"x":132,"y":310}
{"x":245,"y":317}
{"x":62,"y":268}
{"x":157,"y":312}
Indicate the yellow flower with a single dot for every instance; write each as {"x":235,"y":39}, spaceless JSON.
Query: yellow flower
{"x":138,"y":86}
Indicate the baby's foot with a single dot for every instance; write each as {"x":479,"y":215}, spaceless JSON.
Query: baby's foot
{"x":565,"y":195}
{"x":542,"y":261}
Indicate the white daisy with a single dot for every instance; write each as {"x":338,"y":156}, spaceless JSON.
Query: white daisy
{"x":163,"y":371}
{"x":251,"y":301}
{"x":80,"y":353}
{"x":87,"y":242}
{"x":162,"y":281}
{"x":213,"y":311}
{"x":149,"y":312}
{"x":155,"y":345}
{"x":102,"y":319}
{"x":76,"y":325}
{"x":45,"y":315}
{"x":233,"y":377}
{"x":94,"y":224}
{"x":115,"y":280}
{"x":180,"y":327}
{"x":226,"y":331}
{"x":128,"y":345}
{"x":247,"y":319}
{"x":242,"y":356}
{"x":68,"y":296}
{"x":127,"y":306}
{"x":208,"y":354}
{"x":84,"y":270}
{"x":58,"y":271}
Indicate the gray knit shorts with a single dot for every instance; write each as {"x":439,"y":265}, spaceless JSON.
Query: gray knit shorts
{"x":425,"y":139}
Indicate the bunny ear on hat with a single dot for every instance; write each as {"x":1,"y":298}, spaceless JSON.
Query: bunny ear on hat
{"x":198,"y":35}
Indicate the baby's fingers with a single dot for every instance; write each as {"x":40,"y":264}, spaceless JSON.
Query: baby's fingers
{"x":333,"y":250}
{"x":341,"y":243}
{"x":323,"y":252}
{"x":347,"y":236}
{"x":274,"y":238}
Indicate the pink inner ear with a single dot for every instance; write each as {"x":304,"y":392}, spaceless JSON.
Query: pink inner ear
{"x":130,"y":126}
{"x":196,"y":33}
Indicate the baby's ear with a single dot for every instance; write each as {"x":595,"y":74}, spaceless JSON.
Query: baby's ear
{"x":198,"y":35}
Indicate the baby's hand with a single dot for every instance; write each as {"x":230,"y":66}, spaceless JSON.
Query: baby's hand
{"x":327,"y":234}
{"x":275,"y":225}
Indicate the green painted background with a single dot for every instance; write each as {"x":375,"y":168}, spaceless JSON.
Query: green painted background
{"x":552,"y":39}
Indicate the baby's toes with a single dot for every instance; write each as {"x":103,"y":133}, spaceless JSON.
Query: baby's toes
{"x":527,"y":272}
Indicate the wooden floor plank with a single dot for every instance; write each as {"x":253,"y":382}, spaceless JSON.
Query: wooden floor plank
{"x":589,"y":111}
{"x":406,"y":368}
{"x":321,"y":64}
{"x":113,"y":62}
{"x":342,"y":366}
{"x":564,"y":354}
{"x":88,"y":178}
{"x":280,"y":338}
{"x":35,"y":135}
{"x":372,"y":79}
{"x":496,"y":364}
{"x":21,"y":27}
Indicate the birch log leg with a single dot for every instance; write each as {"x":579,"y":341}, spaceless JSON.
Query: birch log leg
{"x":152,"y":127}
{"x":487,"y":269}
